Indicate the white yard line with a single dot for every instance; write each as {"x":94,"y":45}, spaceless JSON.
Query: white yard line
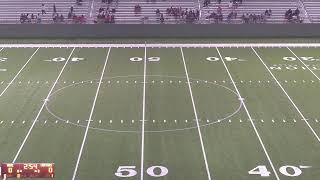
{"x":284,"y":91}
{"x":196,"y":116}
{"x":159,"y":45}
{"x":43,"y":105}
{"x":90,"y":117}
{"x":250,"y":118}
{"x":143,"y":112}
{"x":14,"y":78}
{"x":303,"y":63}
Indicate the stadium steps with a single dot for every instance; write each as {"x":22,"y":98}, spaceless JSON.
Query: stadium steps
{"x":313,"y":9}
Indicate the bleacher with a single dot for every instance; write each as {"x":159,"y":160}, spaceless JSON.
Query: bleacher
{"x":10,"y":10}
{"x":313,"y":9}
{"x":125,"y":10}
{"x":255,"y":7}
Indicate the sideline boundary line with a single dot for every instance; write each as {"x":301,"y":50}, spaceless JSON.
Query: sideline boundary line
{"x":196,"y":116}
{"x":163,"y":45}
{"x":303,"y":63}
{"x":251,"y":121}
{"x":284,"y":91}
{"x":14,"y":78}
{"x":90,"y":117}
{"x":143,"y":112}
{"x":43,"y":105}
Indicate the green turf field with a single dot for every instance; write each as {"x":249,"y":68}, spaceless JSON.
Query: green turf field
{"x":163,"y":112}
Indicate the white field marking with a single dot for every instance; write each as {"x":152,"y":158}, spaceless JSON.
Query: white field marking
{"x":5,"y":89}
{"x":143,"y":111}
{"x":284,"y":91}
{"x":43,"y":104}
{"x":1,"y":49}
{"x":196,"y":116}
{"x":303,"y":63}
{"x":250,"y":118}
{"x":165,"y":45}
{"x":90,"y":117}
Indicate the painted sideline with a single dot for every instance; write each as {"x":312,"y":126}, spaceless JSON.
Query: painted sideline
{"x":169,"y":45}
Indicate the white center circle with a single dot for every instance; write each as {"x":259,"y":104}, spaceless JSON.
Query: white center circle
{"x":229,"y":115}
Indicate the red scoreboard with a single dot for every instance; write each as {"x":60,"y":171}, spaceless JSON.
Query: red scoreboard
{"x":27,"y":170}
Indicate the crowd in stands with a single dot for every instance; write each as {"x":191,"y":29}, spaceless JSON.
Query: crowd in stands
{"x":293,"y":16}
{"x":218,"y":15}
{"x":189,"y":15}
{"x":233,"y":2}
{"x":106,"y":15}
{"x":56,"y":17}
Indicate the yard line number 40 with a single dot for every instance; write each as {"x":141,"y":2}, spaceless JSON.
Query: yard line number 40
{"x":287,"y":170}
{"x":130,"y":171}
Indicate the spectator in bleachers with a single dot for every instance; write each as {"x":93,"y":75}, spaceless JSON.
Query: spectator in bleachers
{"x":206,"y":3}
{"x":137,"y":8}
{"x":39,"y":19}
{"x":54,"y":8}
{"x":43,"y":9}
{"x":79,"y":2}
{"x":71,"y":9}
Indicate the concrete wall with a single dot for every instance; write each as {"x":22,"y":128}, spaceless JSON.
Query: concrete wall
{"x":157,"y":30}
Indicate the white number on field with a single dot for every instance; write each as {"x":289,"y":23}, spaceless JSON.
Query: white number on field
{"x":3,"y":59}
{"x":129,"y":171}
{"x":61,"y":59}
{"x":225,"y":58}
{"x":151,"y":59}
{"x":287,"y":170}
{"x":309,"y":58}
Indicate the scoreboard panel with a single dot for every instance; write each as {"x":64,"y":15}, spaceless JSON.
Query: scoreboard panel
{"x":27,"y":170}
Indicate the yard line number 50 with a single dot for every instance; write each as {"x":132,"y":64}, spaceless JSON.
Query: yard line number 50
{"x":130,"y":171}
{"x":151,"y":59}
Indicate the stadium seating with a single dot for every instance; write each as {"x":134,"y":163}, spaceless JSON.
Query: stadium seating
{"x":10,"y":10}
{"x":313,"y":9}
{"x":256,"y":7}
{"x":125,"y":10}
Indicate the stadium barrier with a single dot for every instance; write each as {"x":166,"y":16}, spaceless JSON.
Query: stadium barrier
{"x":157,"y":30}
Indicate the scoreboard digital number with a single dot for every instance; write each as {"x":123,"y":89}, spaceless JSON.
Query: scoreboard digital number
{"x":27,"y":170}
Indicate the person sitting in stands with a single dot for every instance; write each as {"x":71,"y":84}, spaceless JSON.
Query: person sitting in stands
{"x":137,"y":8}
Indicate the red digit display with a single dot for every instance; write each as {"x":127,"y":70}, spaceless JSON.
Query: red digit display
{"x":27,"y":170}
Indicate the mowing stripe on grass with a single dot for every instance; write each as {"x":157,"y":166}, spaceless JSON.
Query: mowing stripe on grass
{"x":303,"y":63}
{"x":14,"y":78}
{"x":143,"y":112}
{"x":43,"y":104}
{"x":196,"y":116}
{"x":284,"y":91}
{"x":90,"y":116}
{"x":250,"y":118}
